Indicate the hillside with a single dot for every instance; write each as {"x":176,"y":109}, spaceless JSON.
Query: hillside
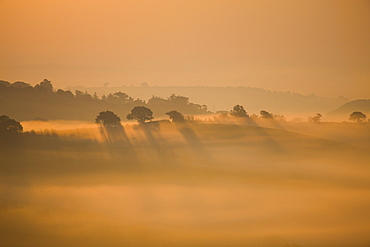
{"x":343,"y":112}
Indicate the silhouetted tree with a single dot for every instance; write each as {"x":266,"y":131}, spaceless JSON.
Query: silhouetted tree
{"x":204,"y":108}
{"x":110,"y":98}
{"x":122,"y":97}
{"x":83,"y":96}
{"x":44,"y":100}
{"x":5,"y":83}
{"x":179,"y":100}
{"x":9,"y":126}
{"x":79,"y":93}
{"x":176,"y":116}
{"x":189,"y":118}
{"x":20,"y":84}
{"x":157,"y":102}
{"x":95,"y":96}
{"x":45,"y":86}
{"x":238,"y":111}
{"x":223,"y":115}
{"x":139,"y":102}
{"x":279,"y":117}
{"x":64,"y":94}
{"x":266,"y":115}
{"x":357,"y":116}
{"x":108,"y":119}
{"x":10,"y":135}
{"x":316,"y":118}
{"x":141,"y":114}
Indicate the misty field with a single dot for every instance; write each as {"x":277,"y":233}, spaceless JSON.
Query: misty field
{"x":206,"y":184}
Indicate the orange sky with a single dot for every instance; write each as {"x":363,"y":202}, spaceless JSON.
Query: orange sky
{"x":304,"y":46}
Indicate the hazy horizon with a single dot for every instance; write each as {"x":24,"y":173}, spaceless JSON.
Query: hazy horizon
{"x":305,"y":47}
{"x":185,"y":123}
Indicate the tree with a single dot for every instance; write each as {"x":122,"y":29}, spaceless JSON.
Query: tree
{"x":189,"y":118}
{"x":21,"y":84}
{"x":357,"y":116}
{"x":179,"y":100}
{"x":316,"y":118}
{"x":122,"y":97}
{"x":157,"y":102}
{"x":84,"y":96}
{"x":204,"y":108}
{"x":223,"y":115}
{"x":9,"y":126}
{"x":266,"y":115}
{"x":5,"y":83}
{"x":279,"y":117}
{"x":108,"y":119}
{"x":176,"y":116}
{"x":238,"y":111}
{"x":141,"y":114}
{"x":95,"y":96}
{"x":64,"y":94}
{"x":45,"y":86}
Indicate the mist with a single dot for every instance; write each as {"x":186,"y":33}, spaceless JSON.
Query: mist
{"x":205,"y":183}
{"x":185,"y":123}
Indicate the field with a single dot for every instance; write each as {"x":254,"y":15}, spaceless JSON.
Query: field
{"x":206,"y":184}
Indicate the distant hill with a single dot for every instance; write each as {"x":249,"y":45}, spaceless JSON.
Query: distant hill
{"x":224,"y":98}
{"x":22,"y":101}
{"x":343,"y":112}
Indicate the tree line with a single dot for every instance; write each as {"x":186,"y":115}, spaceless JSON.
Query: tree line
{"x":42,"y":101}
{"x":20,"y":99}
{"x":10,"y":129}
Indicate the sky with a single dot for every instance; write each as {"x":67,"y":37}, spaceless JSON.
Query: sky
{"x":304,"y":46}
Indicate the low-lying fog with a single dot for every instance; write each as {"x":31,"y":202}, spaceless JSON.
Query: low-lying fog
{"x":206,"y":184}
